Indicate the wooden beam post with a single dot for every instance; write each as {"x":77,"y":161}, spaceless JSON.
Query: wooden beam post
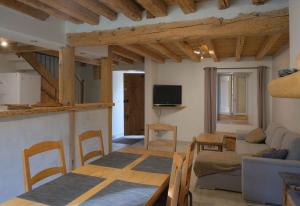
{"x":106,"y":90}
{"x":240,"y":42}
{"x":66,"y":76}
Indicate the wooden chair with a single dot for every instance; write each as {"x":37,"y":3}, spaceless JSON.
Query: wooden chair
{"x":175,"y":179}
{"x":186,"y":175}
{"x":161,"y":127}
{"x":37,"y":149}
{"x":89,"y":135}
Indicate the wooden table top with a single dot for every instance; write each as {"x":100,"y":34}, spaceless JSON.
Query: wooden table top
{"x":211,"y":139}
{"x":111,"y":174}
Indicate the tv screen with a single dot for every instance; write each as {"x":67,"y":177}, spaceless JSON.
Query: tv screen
{"x":167,"y":95}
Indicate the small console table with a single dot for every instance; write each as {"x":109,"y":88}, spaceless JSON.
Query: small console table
{"x":291,"y":192}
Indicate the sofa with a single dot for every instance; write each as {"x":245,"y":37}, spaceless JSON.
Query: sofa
{"x":258,"y":178}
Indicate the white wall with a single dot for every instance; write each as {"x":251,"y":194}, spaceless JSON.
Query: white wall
{"x":20,"y":133}
{"x":190,"y":75}
{"x":294,"y":7}
{"x":285,"y":111}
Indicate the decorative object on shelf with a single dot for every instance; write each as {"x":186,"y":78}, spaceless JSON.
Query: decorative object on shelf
{"x":285,"y":72}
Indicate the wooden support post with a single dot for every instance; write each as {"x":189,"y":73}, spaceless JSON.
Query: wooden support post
{"x":67,"y":92}
{"x":106,"y":90}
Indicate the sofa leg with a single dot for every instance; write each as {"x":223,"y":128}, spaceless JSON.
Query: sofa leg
{"x":191,"y":198}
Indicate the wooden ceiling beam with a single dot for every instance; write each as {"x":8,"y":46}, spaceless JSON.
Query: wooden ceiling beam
{"x":155,"y":7}
{"x":214,"y":28}
{"x":240,"y":42}
{"x":145,"y":52}
{"x":119,"y":58}
{"x":224,"y":4}
{"x":187,"y":6}
{"x":165,"y":51}
{"x":258,"y":2}
{"x":267,"y":46}
{"x":25,"y":9}
{"x":212,"y":50}
{"x":98,"y":8}
{"x":188,"y":50}
{"x":129,"y":8}
{"x":73,"y":9}
{"x":20,"y":49}
{"x":50,"y":10}
{"x":127,"y":54}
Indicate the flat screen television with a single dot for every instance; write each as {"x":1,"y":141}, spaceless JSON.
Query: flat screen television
{"x":167,"y":95}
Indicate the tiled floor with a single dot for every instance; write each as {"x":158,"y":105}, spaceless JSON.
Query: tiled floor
{"x":202,"y":197}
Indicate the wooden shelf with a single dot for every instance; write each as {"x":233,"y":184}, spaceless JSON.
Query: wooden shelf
{"x":285,"y":87}
{"x":169,"y":107}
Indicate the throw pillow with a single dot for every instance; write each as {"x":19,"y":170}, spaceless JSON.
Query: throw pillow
{"x":256,"y":136}
{"x":274,"y":153}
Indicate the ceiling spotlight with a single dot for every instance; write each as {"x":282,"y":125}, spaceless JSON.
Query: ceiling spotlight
{"x":197,"y":52}
{"x":4,"y":43}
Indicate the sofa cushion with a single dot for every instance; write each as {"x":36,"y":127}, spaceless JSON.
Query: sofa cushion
{"x":274,"y":154}
{"x":243,"y":147}
{"x":291,"y":142}
{"x":256,"y":136}
{"x":277,"y":137}
{"x":270,"y":132}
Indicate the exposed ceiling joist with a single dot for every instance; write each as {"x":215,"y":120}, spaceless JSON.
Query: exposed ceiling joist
{"x":24,"y":8}
{"x":258,"y":2}
{"x":188,"y":50}
{"x":98,"y":8}
{"x":129,"y":8}
{"x":122,"y":59}
{"x":50,"y":10}
{"x":240,"y":42}
{"x":73,"y":9}
{"x":257,"y":24}
{"x":187,"y":6}
{"x":165,"y":51}
{"x":267,"y":46}
{"x":155,"y":7}
{"x":223,"y":4}
{"x":145,"y":52}
{"x":20,"y":49}
{"x":127,"y":54}
{"x":212,"y":50}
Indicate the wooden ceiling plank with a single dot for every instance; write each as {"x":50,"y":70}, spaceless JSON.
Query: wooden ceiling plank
{"x":119,"y":58}
{"x":258,"y":2}
{"x":73,"y":9}
{"x":129,"y":8}
{"x":212,"y":50}
{"x":240,"y":43}
{"x":165,"y":51}
{"x":20,"y":49}
{"x":187,"y":6}
{"x":50,"y":10}
{"x":26,"y":9}
{"x":127,"y":54}
{"x":267,"y":46}
{"x":145,"y":52}
{"x":157,"y":8}
{"x":257,"y":24}
{"x":224,"y":4}
{"x":98,"y":8}
{"x":188,"y":50}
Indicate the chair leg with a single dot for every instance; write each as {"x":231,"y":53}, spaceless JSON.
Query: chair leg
{"x":191,"y":198}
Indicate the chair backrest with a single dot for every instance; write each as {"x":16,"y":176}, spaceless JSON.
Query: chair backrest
{"x":186,"y":173}
{"x":37,"y":149}
{"x":89,"y":135}
{"x":174,"y":185}
{"x":161,"y":127}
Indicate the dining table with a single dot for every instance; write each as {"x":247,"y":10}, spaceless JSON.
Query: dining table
{"x":129,"y":176}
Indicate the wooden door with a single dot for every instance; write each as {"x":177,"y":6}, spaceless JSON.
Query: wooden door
{"x":134,"y":104}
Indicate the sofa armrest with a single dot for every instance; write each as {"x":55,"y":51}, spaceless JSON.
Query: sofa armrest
{"x":261,"y":181}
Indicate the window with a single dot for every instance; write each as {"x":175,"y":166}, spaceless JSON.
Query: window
{"x":232,"y":97}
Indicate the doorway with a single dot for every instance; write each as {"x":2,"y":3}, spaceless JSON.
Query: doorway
{"x":134,"y":104}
